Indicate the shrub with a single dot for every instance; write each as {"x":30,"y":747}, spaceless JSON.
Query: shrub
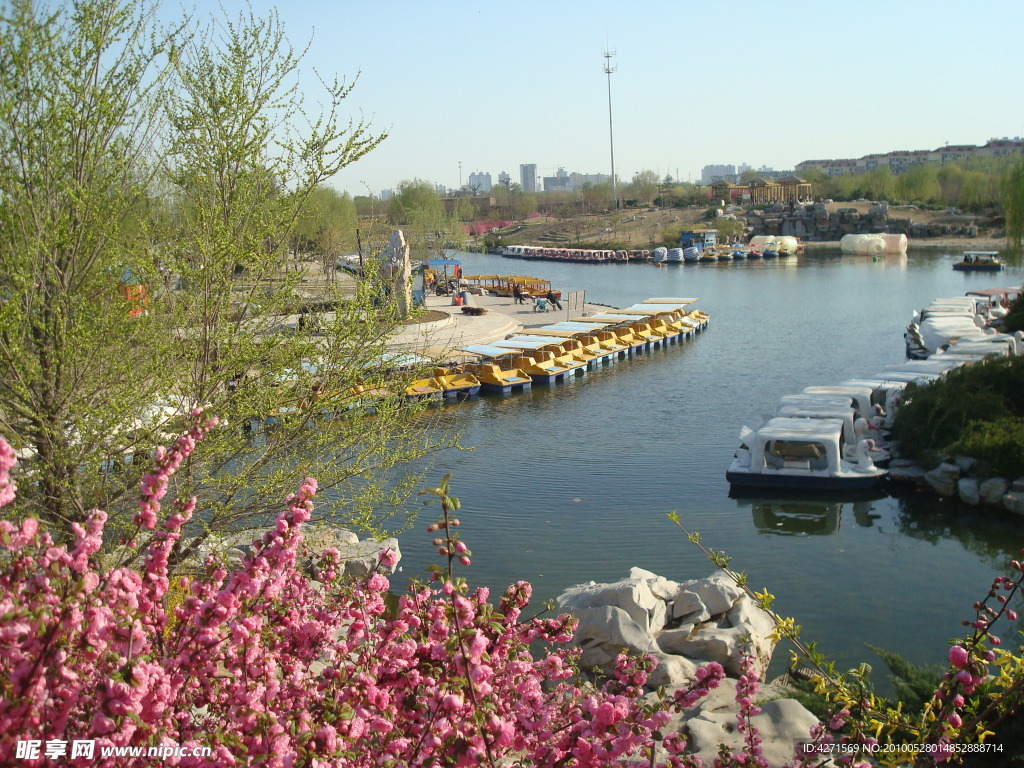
{"x":933,"y":417}
{"x":998,"y":444}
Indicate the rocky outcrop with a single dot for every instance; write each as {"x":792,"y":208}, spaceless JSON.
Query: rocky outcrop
{"x":813,"y":222}
{"x":782,"y":723}
{"x":964,"y":478}
{"x":358,"y":557}
{"x":682,"y":624}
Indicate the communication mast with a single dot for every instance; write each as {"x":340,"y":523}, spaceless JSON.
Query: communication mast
{"x":608,"y":69}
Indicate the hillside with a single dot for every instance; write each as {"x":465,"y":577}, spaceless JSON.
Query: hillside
{"x":646,"y":227}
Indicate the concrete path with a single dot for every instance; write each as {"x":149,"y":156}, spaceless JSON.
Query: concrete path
{"x":502,"y":317}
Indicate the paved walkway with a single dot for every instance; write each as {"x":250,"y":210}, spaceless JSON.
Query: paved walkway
{"x":502,"y":317}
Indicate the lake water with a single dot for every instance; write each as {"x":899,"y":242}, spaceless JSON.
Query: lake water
{"x":573,"y":483}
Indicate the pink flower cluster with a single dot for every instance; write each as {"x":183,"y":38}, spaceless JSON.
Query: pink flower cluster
{"x":477,"y":228}
{"x":267,"y":667}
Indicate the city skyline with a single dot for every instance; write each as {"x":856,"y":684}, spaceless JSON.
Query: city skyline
{"x":464,"y":88}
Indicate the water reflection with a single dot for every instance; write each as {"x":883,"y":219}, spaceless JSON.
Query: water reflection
{"x":796,"y":518}
{"x":992,"y":534}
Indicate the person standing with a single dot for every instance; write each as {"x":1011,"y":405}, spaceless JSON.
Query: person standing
{"x":552,"y":298}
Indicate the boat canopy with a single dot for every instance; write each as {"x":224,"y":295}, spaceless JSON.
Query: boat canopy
{"x":522,"y":342}
{"x":908,"y":377}
{"x":804,"y":438}
{"x":828,"y":411}
{"x":617,"y":318}
{"x":860,"y":395}
{"x":837,"y":399}
{"x":684,"y":301}
{"x":487,"y":350}
{"x":998,"y":344}
{"x":994,"y":293}
{"x":579,"y":325}
{"x":559,"y":332}
{"x":923,"y":366}
{"x":937,"y":330}
{"x":647,"y":309}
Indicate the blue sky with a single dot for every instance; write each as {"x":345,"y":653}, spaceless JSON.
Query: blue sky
{"x":494,"y":85}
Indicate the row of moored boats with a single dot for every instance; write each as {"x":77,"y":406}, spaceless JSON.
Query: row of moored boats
{"x":689,"y":254}
{"x":836,"y":437}
{"x":560,"y":351}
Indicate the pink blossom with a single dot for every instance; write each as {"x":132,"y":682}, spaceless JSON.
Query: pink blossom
{"x":958,"y":656}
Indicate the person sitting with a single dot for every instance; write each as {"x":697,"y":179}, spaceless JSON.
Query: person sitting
{"x":553,"y":299}
{"x":540,"y":305}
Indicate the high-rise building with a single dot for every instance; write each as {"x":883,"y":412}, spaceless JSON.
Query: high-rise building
{"x":479,"y":182}
{"x":715,"y":172}
{"x":528,"y":177}
{"x":504,"y":179}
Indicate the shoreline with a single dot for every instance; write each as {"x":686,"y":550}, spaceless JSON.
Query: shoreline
{"x":948,"y":243}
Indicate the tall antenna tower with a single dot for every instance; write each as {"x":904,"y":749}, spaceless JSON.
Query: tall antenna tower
{"x":608,"y":69}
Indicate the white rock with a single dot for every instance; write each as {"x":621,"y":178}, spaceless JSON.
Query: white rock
{"x":782,"y":723}
{"x":1014,"y":502}
{"x":660,"y":587}
{"x":966,"y":463}
{"x":718,"y":592}
{"x":686,"y":603}
{"x":361,"y":558}
{"x":672,"y":671}
{"x":907,"y":473}
{"x":943,"y":478}
{"x":721,"y":645}
{"x":967,"y":488}
{"x":752,"y":620}
{"x":631,"y":595}
{"x":613,"y":628}
{"x":993,"y":490}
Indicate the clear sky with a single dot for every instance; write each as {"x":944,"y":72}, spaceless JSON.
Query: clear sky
{"x":496,"y":84}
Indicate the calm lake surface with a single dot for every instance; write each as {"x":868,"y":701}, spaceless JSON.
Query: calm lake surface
{"x":573,"y":483}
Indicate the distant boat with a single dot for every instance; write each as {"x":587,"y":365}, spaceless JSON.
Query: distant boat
{"x":979,"y":261}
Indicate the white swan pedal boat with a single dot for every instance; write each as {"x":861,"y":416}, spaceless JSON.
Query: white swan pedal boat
{"x":801,"y":454}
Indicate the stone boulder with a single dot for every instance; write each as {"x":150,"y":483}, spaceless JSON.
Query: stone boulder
{"x":358,"y":558}
{"x":943,"y":479}
{"x":906,"y":471}
{"x":782,"y":723}
{"x":993,"y":490}
{"x":968,"y":490}
{"x":1014,"y":502}
{"x":681,"y":624}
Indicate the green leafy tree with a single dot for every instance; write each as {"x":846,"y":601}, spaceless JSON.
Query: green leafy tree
{"x":919,"y":184}
{"x":245,"y":159}
{"x":644,"y":187}
{"x":1013,"y":203}
{"x":429,"y":228}
{"x":78,"y":88}
{"x":327,"y":223}
{"x":595,"y":197}
{"x":102,"y":369}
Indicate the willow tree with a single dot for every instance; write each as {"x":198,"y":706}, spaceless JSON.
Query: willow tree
{"x":1013,"y":204}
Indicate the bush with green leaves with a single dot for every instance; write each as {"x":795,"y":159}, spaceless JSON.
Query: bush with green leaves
{"x":974,"y":410}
